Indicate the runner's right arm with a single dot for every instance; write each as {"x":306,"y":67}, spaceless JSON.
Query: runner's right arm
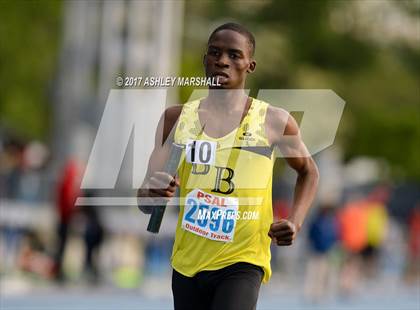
{"x":156,"y":182}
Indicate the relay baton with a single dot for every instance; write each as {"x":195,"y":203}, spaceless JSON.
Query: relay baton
{"x":171,"y":168}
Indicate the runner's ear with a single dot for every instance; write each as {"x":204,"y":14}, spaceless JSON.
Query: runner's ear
{"x":251,"y":66}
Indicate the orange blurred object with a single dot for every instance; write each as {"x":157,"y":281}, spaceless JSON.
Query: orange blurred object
{"x":353,"y":222}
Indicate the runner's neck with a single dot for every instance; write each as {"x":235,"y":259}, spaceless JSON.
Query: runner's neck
{"x":225,"y":101}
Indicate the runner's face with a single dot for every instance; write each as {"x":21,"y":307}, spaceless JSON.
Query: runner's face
{"x":228,"y":58}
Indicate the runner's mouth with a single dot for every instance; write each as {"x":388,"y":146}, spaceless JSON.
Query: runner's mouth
{"x":221,"y":77}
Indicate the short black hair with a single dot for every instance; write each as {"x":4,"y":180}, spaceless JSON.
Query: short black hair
{"x":240,"y":29}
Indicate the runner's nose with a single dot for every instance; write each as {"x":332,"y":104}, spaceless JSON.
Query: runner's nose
{"x":222,"y":61}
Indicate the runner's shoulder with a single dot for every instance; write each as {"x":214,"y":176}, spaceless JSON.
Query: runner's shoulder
{"x":276,"y":115}
{"x":170,"y":117}
{"x":279,"y":122}
{"x":172,"y":114}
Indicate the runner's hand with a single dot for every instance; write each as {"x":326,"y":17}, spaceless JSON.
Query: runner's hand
{"x":283,"y":232}
{"x":161,"y":184}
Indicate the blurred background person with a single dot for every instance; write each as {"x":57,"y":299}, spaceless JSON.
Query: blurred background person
{"x":34,"y":258}
{"x":353,"y":238}
{"x":377,"y":228}
{"x":320,"y":270}
{"x":93,"y":236}
{"x":412,"y":270}
{"x":68,"y":190}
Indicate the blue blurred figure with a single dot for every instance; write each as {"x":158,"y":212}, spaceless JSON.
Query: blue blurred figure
{"x":323,"y":231}
{"x":322,"y":237}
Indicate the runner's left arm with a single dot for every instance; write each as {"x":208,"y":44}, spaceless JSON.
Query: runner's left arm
{"x":283,"y":132}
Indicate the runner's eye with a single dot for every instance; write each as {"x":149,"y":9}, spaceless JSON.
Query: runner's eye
{"x":213,"y":52}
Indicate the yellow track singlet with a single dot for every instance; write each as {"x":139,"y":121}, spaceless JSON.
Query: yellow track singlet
{"x":225,"y":194}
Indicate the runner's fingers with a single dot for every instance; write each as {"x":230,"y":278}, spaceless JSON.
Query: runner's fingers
{"x":171,"y":189}
{"x":162,"y":183}
{"x":285,"y":238}
{"x":155,"y":182}
{"x":159,"y":184}
{"x":164,"y":177}
{"x":283,"y":225}
{"x":284,"y":242}
{"x":283,"y":234}
{"x":163,"y":193}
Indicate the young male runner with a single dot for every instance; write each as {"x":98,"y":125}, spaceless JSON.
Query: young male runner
{"x":221,"y":252}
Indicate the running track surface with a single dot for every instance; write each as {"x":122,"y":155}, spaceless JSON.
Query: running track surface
{"x":83,"y":298}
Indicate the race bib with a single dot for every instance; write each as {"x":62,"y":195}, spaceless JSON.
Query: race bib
{"x":201,"y":152}
{"x":210,"y":216}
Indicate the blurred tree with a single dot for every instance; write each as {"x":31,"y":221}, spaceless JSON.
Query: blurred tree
{"x":30,"y":32}
{"x":367,"y":52}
